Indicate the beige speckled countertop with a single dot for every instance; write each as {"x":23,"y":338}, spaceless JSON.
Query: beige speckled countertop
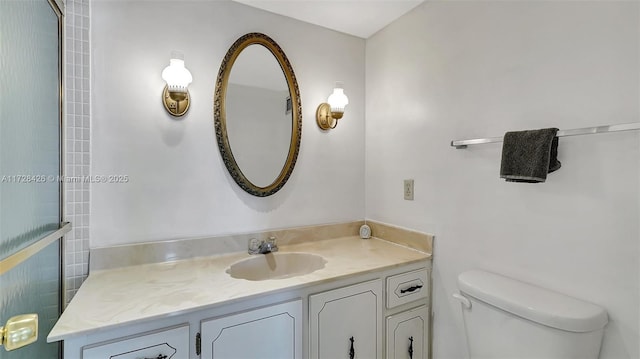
{"x":115,"y":297}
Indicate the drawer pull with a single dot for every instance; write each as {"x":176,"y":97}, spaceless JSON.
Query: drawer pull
{"x":410,"y":289}
{"x":411,"y":347}
{"x":160,"y":356}
{"x":352,"y":352}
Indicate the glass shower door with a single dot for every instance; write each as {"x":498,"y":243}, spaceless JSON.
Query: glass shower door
{"x":30,"y":215}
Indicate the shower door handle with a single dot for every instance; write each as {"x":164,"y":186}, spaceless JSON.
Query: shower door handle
{"x":19,"y":331}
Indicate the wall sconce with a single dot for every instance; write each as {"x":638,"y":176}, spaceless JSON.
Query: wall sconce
{"x":176,"y":95}
{"x":328,"y":113}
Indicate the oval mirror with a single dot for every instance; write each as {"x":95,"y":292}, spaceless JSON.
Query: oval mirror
{"x":258,"y":114}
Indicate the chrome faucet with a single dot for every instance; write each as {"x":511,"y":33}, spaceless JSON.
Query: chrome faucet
{"x":263,"y":247}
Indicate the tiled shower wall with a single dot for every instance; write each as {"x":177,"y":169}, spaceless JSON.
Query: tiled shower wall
{"x":77,"y":146}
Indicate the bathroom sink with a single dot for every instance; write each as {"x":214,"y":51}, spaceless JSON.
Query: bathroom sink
{"x":276,"y":266}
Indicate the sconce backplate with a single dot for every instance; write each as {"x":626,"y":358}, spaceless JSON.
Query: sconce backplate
{"x":323,"y":117}
{"x":175,"y":108}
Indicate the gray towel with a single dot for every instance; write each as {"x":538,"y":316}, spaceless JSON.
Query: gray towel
{"x":527,"y":156}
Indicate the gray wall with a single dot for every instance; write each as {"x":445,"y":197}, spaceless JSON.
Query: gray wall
{"x":179,"y":186}
{"x":456,"y":70}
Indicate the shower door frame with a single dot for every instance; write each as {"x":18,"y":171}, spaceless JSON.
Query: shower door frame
{"x":25,"y":253}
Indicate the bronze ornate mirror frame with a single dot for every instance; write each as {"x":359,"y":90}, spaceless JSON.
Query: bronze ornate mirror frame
{"x":220,"y":116}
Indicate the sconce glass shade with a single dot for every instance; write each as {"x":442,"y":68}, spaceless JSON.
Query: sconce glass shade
{"x":177,"y":76}
{"x":176,"y":95}
{"x":338,"y":100}
{"x":328,"y":113}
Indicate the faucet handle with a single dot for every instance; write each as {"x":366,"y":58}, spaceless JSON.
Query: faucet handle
{"x":254,"y":246}
{"x":273,"y":242}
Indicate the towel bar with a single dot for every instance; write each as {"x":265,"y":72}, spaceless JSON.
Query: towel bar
{"x":458,"y":144}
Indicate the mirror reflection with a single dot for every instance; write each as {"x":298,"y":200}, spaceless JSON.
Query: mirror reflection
{"x":259,"y":115}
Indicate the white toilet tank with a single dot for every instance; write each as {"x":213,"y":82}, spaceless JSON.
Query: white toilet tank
{"x":506,"y":318}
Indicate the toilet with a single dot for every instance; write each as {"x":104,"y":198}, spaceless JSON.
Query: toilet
{"x":507,"y":318}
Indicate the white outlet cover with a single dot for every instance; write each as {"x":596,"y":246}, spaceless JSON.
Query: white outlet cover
{"x":408,"y":189}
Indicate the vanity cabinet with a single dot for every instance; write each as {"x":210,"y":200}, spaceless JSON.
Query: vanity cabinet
{"x":375,"y":315}
{"x":165,"y":343}
{"x":273,"y":332}
{"x":407,"y":330}
{"x":407,"y":334}
{"x":378,"y":315}
{"x":347,"y":322}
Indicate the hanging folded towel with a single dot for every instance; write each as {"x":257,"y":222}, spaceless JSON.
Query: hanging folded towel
{"x":527,"y":156}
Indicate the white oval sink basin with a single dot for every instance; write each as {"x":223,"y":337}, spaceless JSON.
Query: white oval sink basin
{"x":276,"y":266}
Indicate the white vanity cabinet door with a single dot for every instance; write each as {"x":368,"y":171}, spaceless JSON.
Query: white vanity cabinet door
{"x":172,"y":343}
{"x":407,"y":334}
{"x":273,"y":332}
{"x":338,"y":315}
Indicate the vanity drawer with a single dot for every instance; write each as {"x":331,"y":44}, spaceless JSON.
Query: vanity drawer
{"x":170,"y":343}
{"x":407,"y":287}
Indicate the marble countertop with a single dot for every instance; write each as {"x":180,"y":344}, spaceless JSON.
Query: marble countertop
{"x":116,"y":297}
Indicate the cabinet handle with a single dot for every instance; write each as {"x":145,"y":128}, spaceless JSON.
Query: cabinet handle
{"x":410,"y":289}
{"x":352,"y":352}
{"x":198,"y":343}
{"x":410,"y":347}
{"x":160,"y":356}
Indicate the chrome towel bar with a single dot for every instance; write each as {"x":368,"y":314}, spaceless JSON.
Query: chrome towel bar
{"x":458,"y":144}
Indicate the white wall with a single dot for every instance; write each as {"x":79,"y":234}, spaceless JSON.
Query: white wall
{"x":179,"y":186}
{"x":456,"y":70}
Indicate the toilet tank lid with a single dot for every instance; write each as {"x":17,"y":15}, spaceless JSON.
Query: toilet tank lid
{"x":531,"y":302}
